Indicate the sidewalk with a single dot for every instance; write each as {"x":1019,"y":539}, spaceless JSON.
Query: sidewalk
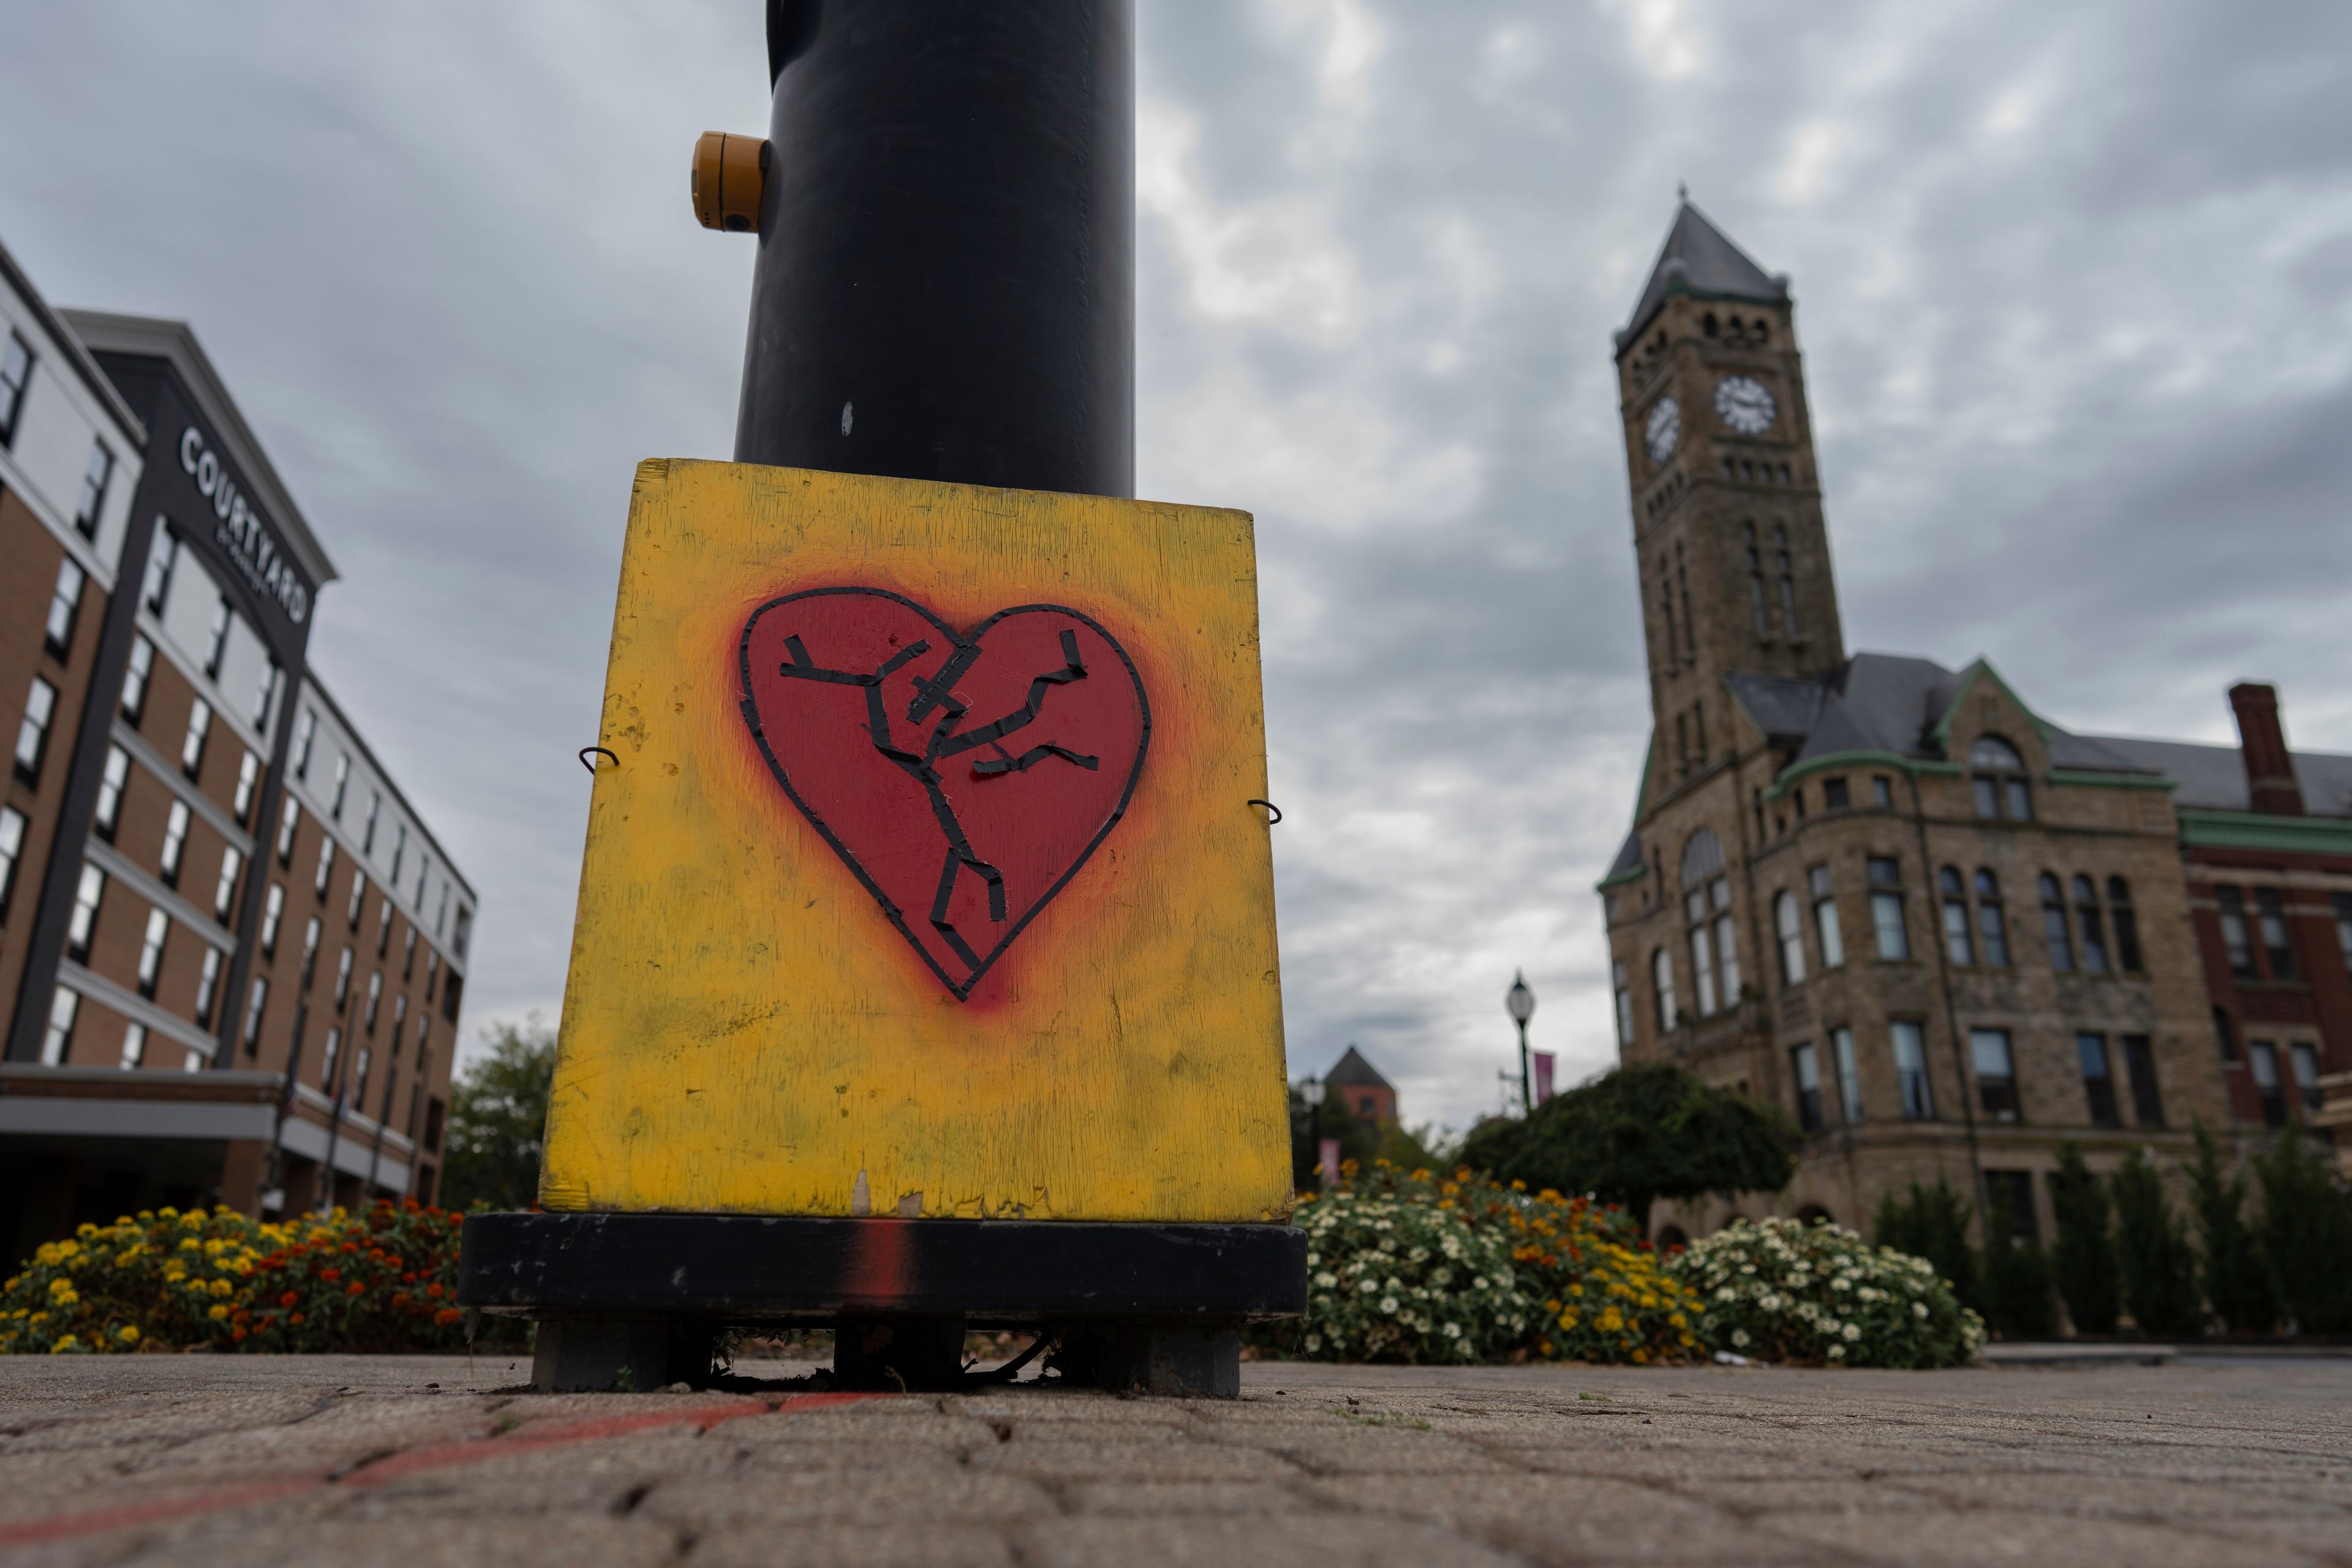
{"x":411,"y":1462}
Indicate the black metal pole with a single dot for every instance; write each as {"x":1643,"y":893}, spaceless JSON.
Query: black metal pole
{"x":1527,"y":1091}
{"x":945,"y":287}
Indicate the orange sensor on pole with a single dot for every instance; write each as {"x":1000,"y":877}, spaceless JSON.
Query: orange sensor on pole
{"x":730,"y":173}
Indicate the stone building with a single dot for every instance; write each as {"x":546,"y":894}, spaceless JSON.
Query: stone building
{"x":1941,"y":930}
{"x":232,"y":953}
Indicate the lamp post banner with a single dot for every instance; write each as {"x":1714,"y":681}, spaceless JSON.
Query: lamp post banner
{"x":1543,"y":1063}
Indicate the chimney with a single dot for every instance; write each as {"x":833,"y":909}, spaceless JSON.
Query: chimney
{"x":2262,"y":742}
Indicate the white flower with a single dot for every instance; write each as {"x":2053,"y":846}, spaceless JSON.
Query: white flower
{"x":1314,"y":1342}
{"x":1739,"y":1336}
{"x":1441,"y":1276}
{"x":1368,"y":1286}
{"x":1842,"y":1283}
{"x":1919,"y":1310}
{"x":1453,"y":1330}
{"x":1326,"y":1280}
{"x":1852,"y":1331}
{"x":1479,"y":1283}
{"x":1769,"y":1301}
{"x":1727,"y":1294}
{"x":1837,"y":1353}
{"x":1389,"y":1305}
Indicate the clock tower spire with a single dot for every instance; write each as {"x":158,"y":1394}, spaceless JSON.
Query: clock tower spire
{"x":1732,"y":550}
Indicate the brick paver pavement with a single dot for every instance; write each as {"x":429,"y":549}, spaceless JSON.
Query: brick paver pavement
{"x":410,"y":1462}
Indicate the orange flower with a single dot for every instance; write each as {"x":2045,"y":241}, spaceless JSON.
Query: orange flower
{"x":287,"y":1300}
{"x":295,"y":1319}
{"x":355,"y":1288}
{"x":434,"y":1289}
{"x":400,"y":1298}
{"x":330,"y":1275}
{"x":448,"y":1315}
{"x":236,"y":1333}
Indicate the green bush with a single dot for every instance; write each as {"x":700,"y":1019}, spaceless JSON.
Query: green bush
{"x":2236,"y":1278}
{"x":2016,"y":1278}
{"x":2159,"y":1269}
{"x":1932,"y":1222}
{"x":2307,"y":1234}
{"x":498,"y":1120}
{"x":2082,"y":1261}
{"x":1818,"y":1293}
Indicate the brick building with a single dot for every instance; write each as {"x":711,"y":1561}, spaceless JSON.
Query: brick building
{"x":1943,"y":931}
{"x":1358,"y":1089}
{"x":232,"y":953}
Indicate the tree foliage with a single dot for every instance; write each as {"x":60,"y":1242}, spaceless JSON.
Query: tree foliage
{"x":2237,"y":1282}
{"x":2082,"y":1261}
{"x":1638,"y":1134}
{"x":2307,"y":1234}
{"x":498,"y":1119}
{"x":2159,"y":1268}
{"x":1932,"y":1222}
{"x":2016,"y":1277}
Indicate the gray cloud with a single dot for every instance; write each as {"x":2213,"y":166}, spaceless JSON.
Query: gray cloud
{"x":2073,"y":290}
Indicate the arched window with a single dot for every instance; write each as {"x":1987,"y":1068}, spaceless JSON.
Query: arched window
{"x":2126,"y":923}
{"x":2054,"y":925}
{"x":1706,"y":913}
{"x":1813,"y":1214}
{"x":1992,"y":928}
{"x":1790,"y":926}
{"x":1662,"y":985}
{"x":2094,"y":934}
{"x":1706,"y":323}
{"x":1624,"y":984}
{"x":1788,"y":581}
{"x":1958,"y":946}
{"x":1756,"y":580}
{"x":1998,"y":775}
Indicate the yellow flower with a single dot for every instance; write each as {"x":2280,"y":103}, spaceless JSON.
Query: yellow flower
{"x":1576,"y":1289}
{"x":129,"y":1334}
{"x":1567,"y":1319}
{"x":1641,"y":1358}
{"x":1688,"y":1342}
{"x":219,"y":1310}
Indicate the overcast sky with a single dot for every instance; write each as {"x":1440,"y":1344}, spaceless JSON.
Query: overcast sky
{"x":2074,"y":287}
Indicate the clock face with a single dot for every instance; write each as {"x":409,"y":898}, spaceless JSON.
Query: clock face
{"x":1663,"y":429}
{"x":1745,"y":404}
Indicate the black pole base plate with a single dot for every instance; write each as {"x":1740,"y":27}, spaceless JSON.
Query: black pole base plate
{"x":752,"y":1268}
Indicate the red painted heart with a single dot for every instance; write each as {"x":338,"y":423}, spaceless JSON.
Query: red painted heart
{"x":963,"y":779}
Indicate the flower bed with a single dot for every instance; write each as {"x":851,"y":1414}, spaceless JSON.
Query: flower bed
{"x":1414,"y":1267}
{"x":1784,"y":1290}
{"x":380,"y":1280}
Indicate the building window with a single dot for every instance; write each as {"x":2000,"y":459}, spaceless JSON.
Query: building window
{"x":1911,"y":1069}
{"x":1833,"y":796}
{"x":134,"y":1046}
{"x":57,"y":1043}
{"x":1825,"y":918}
{"x":342,"y":783}
{"x":2098,"y":1079}
{"x":1789,"y":926}
{"x":96,"y":475}
{"x":2223,"y":1035}
{"x":2237,"y":937}
{"x":2127,"y":925}
{"x":216,"y":638}
{"x":33,"y":734}
{"x":12,"y":849}
{"x":1788,"y":581}
{"x":1882,"y":790}
{"x":65,"y":606}
{"x":343,"y":977}
{"x":2270,"y":918}
{"x":134,"y":680}
{"x":326,"y":865}
{"x":1996,"y":776}
{"x":1849,"y":1075}
{"x":358,"y":894}
{"x":306,"y":730}
{"x":327,"y":1058}
{"x":209,"y":985}
{"x":1707,"y":911}
{"x":1806,"y":1069}
{"x":399,"y":1017}
{"x":289,"y":819}
{"x":2262,"y":1060}
{"x":2055,"y":930}
{"x":1886,"y":908}
{"x":2148,"y":1097}
{"x":273,"y":911}
{"x":176,"y":842}
{"x":433,"y":972}
{"x":367,"y":833}
{"x":1959,"y":945}
{"x":464,"y":929}
{"x":1620,"y":978}
{"x":2094,"y":935}
{"x":15,"y":371}
{"x":309,"y":950}
{"x":1662,"y":985}
{"x":265,"y":692}
{"x":248,"y":774}
{"x":399,"y":850}
{"x":408,"y":966}
{"x":255,"y":1001}
{"x":1754,"y":579}
{"x":1996,"y":1069}
{"x":384,"y":928}
{"x":83,"y":921}
{"x":2303,"y":1058}
{"x":192,"y":744}
{"x":360,"y":1079}
{"x":441,"y":909}
{"x":225,"y":890}
{"x":160,"y":567}
{"x":2344,"y":926}
{"x":1992,"y":927}
{"x":150,"y":951}
{"x":112,"y":782}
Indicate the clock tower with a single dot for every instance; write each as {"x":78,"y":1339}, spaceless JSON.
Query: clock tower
{"x":1728,"y":531}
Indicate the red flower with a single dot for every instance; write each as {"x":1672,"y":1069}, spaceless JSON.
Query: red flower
{"x":236,"y":1334}
{"x":409,"y":1278}
{"x":448,"y":1315}
{"x":355,"y":1288}
{"x":287,"y":1300}
{"x":434,"y":1289}
{"x":295,"y":1319}
{"x":330,"y":1275}
{"x":400,"y":1298}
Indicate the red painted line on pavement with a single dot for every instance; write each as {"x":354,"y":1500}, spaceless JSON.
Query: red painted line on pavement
{"x":441,"y":1456}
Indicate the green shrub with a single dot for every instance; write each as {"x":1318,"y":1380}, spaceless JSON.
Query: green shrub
{"x":2307,"y":1234}
{"x":2082,"y":1261}
{"x":2236,"y":1278}
{"x":2159,"y":1270}
{"x":2016,"y":1278}
{"x":1785,"y":1290}
{"x":1932,"y":1222}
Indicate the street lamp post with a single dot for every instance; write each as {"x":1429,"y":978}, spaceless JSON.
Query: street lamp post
{"x":1522,"y":1004}
{"x":1312,"y":1091}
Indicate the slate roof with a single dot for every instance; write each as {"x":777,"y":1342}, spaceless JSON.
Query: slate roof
{"x":2213,"y":778}
{"x":1354,"y":1072}
{"x":1699,"y":258}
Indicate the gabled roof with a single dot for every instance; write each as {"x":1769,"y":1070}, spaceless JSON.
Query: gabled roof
{"x":2213,"y":778}
{"x":1699,"y":258}
{"x":1353,"y":1071}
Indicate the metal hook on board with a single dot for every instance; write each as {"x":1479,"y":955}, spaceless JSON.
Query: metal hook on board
{"x":587,"y":751}
{"x":1267,"y":803}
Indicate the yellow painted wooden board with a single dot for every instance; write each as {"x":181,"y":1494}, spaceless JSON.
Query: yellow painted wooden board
{"x":926,"y":881}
